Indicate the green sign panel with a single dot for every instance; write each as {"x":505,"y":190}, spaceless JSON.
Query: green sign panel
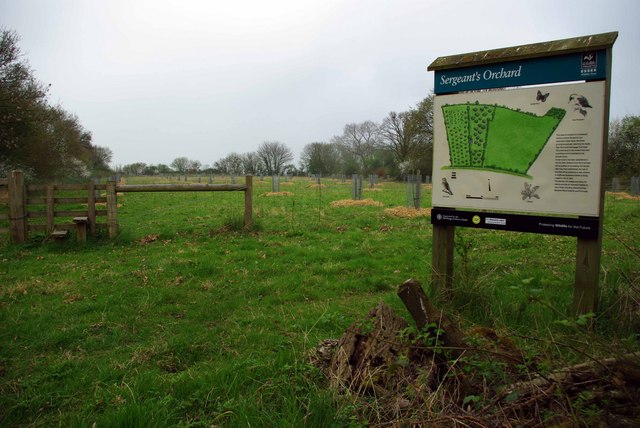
{"x":561,"y":68}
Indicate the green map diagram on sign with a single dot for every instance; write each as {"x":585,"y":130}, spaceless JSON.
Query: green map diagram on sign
{"x":495,"y":138}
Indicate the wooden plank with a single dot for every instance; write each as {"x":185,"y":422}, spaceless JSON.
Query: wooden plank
{"x":59,"y":235}
{"x":50,"y":208}
{"x":91,"y":205}
{"x":4,"y":191}
{"x":81,"y":200}
{"x":56,"y":201}
{"x":442,"y":259}
{"x":535,"y":50}
{"x":81,"y":228}
{"x":203,"y":187}
{"x":43,"y":187}
{"x":37,"y":201}
{"x":62,"y":226}
{"x":67,"y":213}
{"x":112,"y":209}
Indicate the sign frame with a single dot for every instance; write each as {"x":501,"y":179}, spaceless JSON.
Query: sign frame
{"x":586,"y":59}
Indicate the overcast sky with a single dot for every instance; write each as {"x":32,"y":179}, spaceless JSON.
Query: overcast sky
{"x":154,"y":80}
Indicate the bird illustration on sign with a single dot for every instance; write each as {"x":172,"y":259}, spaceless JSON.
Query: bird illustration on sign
{"x":580,"y":103}
{"x":445,"y":186}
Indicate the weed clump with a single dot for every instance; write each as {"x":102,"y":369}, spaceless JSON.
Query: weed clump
{"x":397,"y":375}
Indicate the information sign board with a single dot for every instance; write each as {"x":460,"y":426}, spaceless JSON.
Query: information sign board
{"x":536,"y":149}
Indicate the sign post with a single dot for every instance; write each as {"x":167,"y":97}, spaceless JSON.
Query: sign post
{"x":520,"y":138}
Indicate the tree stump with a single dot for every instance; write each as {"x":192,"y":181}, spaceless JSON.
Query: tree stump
{"x":424,"y":312}
{"x":367,"y":350}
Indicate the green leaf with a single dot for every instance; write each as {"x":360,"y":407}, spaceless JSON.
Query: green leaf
{"x":470,"y":399}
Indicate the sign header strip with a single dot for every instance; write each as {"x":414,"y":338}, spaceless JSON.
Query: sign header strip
{"x":555,"y":69}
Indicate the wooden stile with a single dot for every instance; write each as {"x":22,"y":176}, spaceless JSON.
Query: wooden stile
{"x":21,"y":196}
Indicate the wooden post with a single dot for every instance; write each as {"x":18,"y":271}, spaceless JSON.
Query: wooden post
{"x":17,"y":208}
{"x":248,"y":202}
{"x":81,"y":228}
{"x":442,"y":259}
{"x":50,"y":208}
{"x":586,"y":291}
{"x":112,"y":209}
{"x":91,"y":206}
{"x":586,"y":288}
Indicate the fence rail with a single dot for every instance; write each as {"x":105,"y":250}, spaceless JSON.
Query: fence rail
{"x":35,"y":208}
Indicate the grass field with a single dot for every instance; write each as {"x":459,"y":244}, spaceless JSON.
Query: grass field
{"x":188,"y":320}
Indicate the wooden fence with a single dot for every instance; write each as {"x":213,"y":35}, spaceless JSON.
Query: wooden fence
{"x":57,"y":208}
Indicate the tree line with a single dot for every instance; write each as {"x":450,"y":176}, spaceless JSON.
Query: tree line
{"x":44,"y":141}
{"x":401,"y":143}
{"x":47,"y":142}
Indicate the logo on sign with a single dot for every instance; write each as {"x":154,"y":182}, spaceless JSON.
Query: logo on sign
{"x":589,"y":64}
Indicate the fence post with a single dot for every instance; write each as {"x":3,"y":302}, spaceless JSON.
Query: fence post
{"x":17,"y":207}
{"x":112,"y":209}
{"x":91,"y":205}
{"x":50,"y":208}
{"x":248,"y":202}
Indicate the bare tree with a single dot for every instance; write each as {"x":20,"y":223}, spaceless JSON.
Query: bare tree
{"x":181,"y":164}
{"x":251,"y":163}
{"x":194,"y":166}
{"x":409,"y":136}
{"x":232,"y":164}
{"x":397,"y":137}
{"x":361,"y":140}
{"x":274,"y":157}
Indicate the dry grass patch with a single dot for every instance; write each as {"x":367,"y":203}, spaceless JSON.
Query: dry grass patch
{"x":408,"y":212}
{"x":316,"y":186}
{"x":624,"y":195}
{"x":356,"y":203}
{"x":278,"y":194}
